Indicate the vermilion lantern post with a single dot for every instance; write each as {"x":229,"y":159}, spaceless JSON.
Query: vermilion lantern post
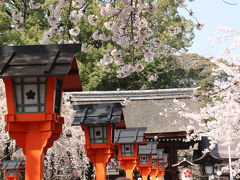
{"x":163,"y":163}
{"x":98,"y":122}
{"x":35,"y":77}
{"x":145,"y":163}
{"x":127,"y":141}
{"x":155,"y":163}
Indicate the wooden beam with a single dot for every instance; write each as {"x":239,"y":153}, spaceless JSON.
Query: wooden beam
{"x":6,"y":61}
{"x":51,"y":62}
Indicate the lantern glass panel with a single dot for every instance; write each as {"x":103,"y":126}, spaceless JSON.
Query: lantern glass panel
{"x":98,"y":134}
{"x":154,"y":163}
{"x":11,"y":172}
{"x":208,"y":169}
{"x":144,"y":159}
{"x":160,"y":164}
{"x":29,"y":95}
{"x":127,"y":150}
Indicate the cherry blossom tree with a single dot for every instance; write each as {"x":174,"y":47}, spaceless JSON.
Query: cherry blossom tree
{"x":66,"y":157}
{"x":131,"y":27}
{"x":220,"y":118}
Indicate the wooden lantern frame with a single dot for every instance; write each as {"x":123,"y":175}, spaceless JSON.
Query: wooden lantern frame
{"x":129,"y":137}
{"x":103,"y":116}
{"x":36,"y":131}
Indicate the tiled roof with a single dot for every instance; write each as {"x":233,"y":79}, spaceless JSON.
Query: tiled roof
{"x":36,"y":60}
{"x":129,"y":135}
{"x":150,"y":148}
{"x":153,"y":109}
{"x":97,"y":114}
{"x":13,"y":164}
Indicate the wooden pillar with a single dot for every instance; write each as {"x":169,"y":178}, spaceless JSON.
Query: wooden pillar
{"x":100,"y":157}
{"x":144,"y":171}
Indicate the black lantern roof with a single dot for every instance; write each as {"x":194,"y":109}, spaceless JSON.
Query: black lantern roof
{"x":150,"y":148}
{"x":41,"y":61}
{"x":184,"y":163}
{"x":129,"y":135}
{"x":13,"y":164}
{"x":97,"y":114}
{"x":159,"y":154}
{"x":216,"y":155}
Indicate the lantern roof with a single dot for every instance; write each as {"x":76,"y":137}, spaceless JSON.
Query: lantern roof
{"x":97,"y":114}
{"x":185,"y":163}
{"x":41,"y":61}
{"x":150,"y":148}
{"x":165,"y":158}
{"x":159,"y":154}
{"x":217,"y":155}
{"x":12,"y":164}
{"x":129,"y":135}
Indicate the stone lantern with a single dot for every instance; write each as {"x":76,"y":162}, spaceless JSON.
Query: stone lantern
{"x":145,"y":153}
{"x":35,"y":77}
{"x":127,"y":141}
{"x":98,"y":123}
{"x":155,"y":163}
{"x":12,"y":168}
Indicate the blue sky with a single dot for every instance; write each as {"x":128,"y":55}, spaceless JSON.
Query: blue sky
{"x":212,"y":13}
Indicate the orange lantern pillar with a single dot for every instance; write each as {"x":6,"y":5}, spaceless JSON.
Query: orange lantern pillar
{"x":145,"y":164}
{"x":127,"y":141}
{"x":155,"y":163}
{"x":98,"y":121}
{"x":163,"y":163}
{"x":161,"y":171}
{"x":35,"y":77}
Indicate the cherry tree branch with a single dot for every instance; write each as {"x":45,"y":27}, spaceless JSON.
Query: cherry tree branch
{"x":233,"y":4}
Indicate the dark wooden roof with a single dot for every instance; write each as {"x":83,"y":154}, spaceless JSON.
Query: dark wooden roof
{"x":153,"y":109}
{"x":150,"y":148}
{"x":97,"y":114}
{"x":41,"y":60}
{"x":13,"y":164}
{"x":129,"y":135}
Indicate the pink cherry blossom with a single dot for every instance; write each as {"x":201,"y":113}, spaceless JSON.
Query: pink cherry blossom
{"x":92,"y":19}
{"x":75,"y":16}
{"x":34,"y":5}
{"x":85,"y":47}
{"x":74,"y":31}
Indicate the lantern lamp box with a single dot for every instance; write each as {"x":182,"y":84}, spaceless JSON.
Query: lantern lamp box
{"x":145,"y":151}
{"x":128,"y":140}
{"x":98,"y":122}
{"x":156,"y":157}
{"x":27,"y":70}
{"x":95,"y":118}
{"x":11,"y":167}
{"x":35,"y":77}
{"x":159,"y":154}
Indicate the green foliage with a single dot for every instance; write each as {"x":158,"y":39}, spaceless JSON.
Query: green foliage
{"x":167,"y":16}
{"x":170,"y":70}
